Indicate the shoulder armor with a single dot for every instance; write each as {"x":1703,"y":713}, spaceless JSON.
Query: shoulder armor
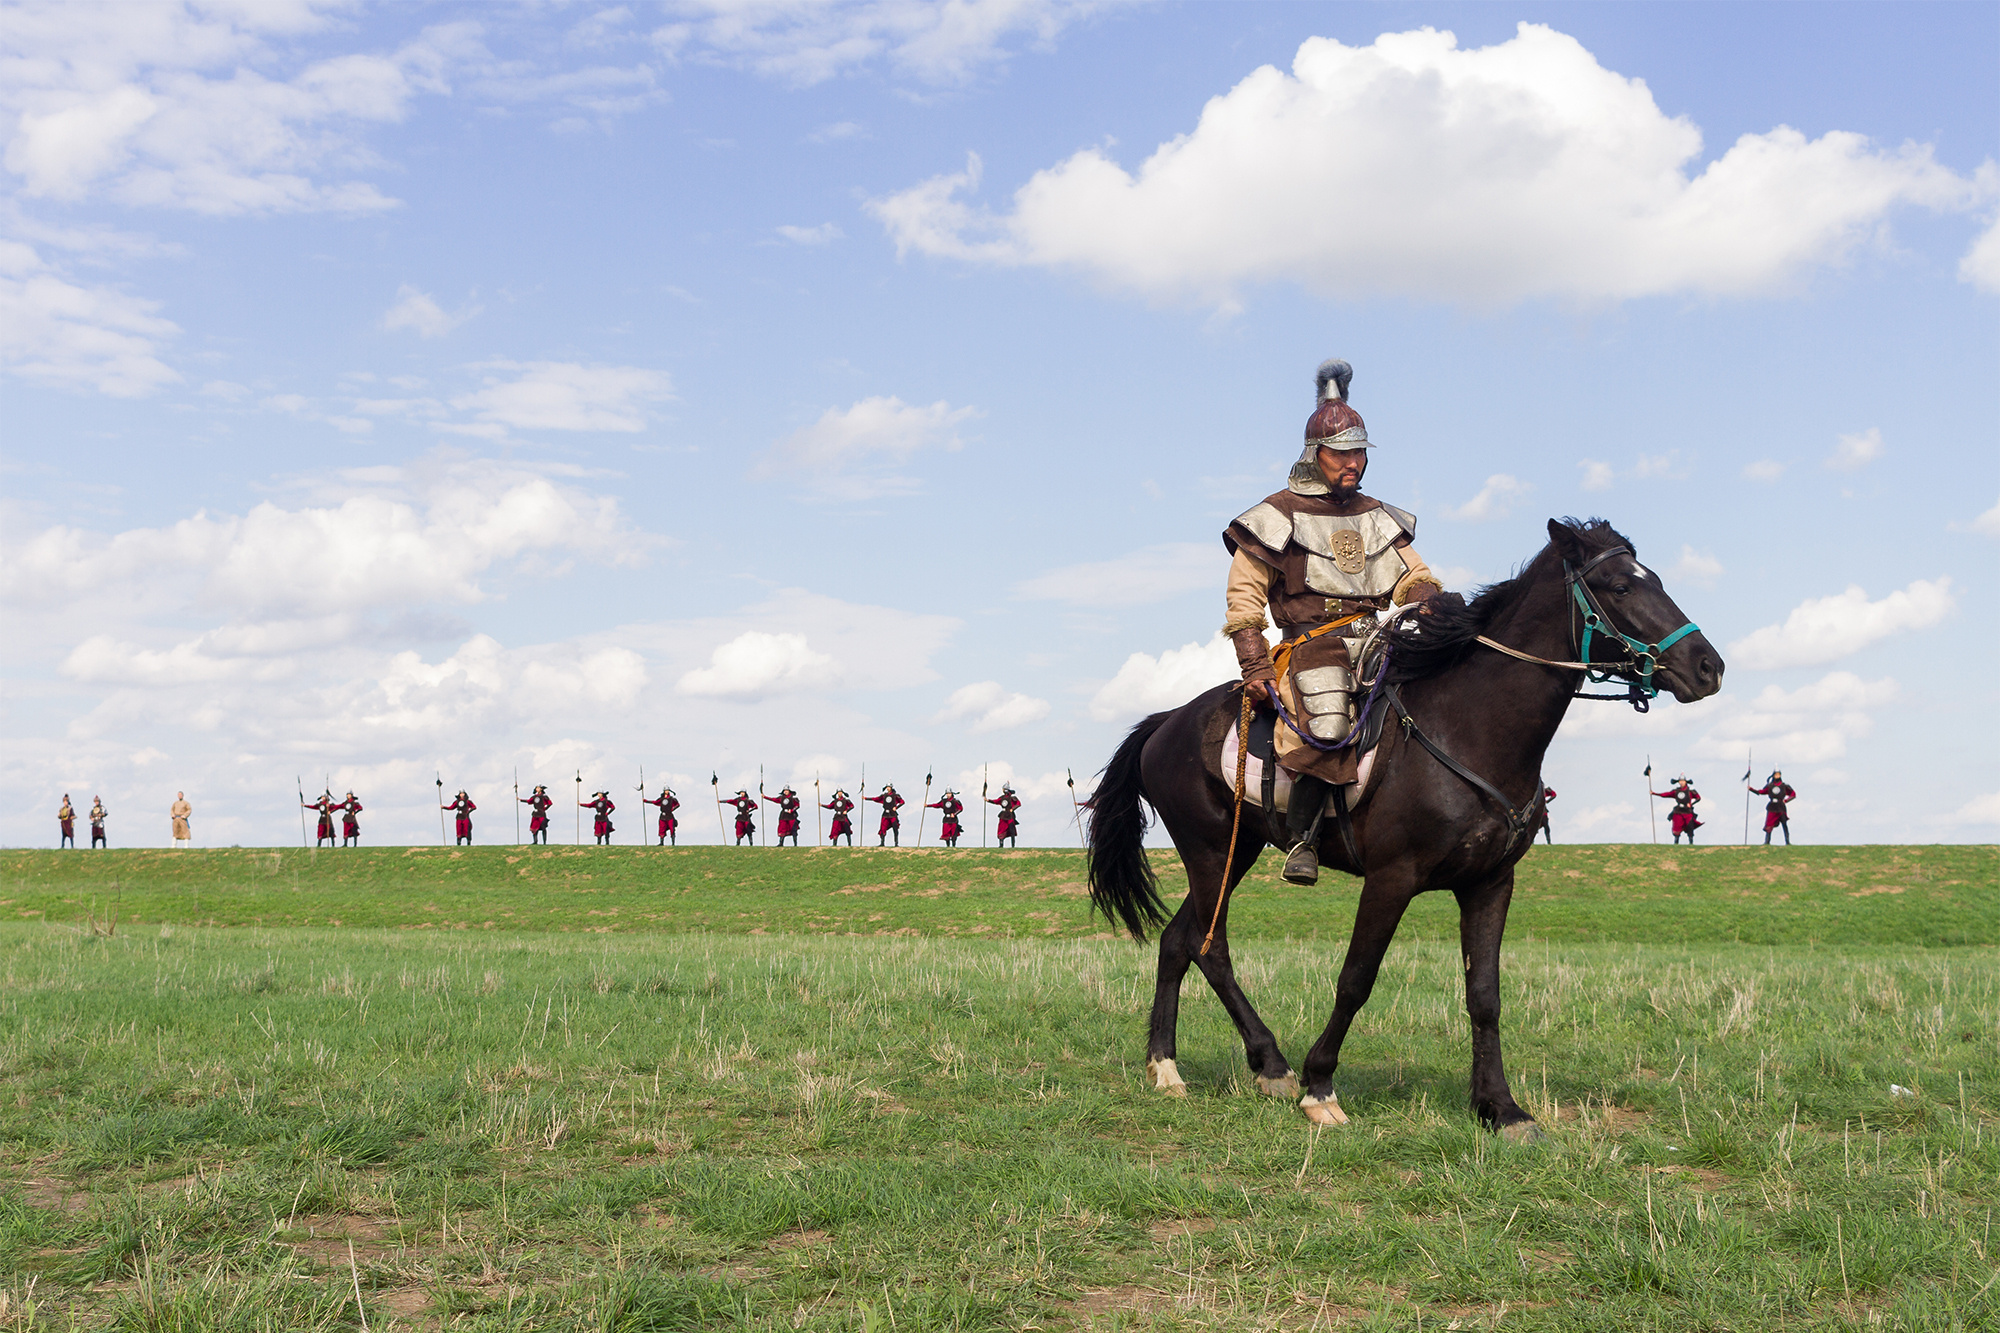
{"x":1268,"y":524}
{"x":1404,"y":519}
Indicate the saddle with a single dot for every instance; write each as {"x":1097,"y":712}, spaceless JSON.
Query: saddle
{"x":1267,"y":784}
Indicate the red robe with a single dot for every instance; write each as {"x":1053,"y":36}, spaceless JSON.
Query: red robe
{"x":538,"y":805}
{"x":746,"y":808}
{"x":326,"y":807}
{"x":1780,"y":795}
{"x":1683,"y":819}
{"x":668,"y":803}
{"x":788,"y":814}
{"x":843,"y":827}
{"x":350,"y":827}
{"x":890,"y":802}
{"x":600,"y":827}
{"x":1010,"y":823}
{"x":952,"y":808}
{"x":465,"y":807}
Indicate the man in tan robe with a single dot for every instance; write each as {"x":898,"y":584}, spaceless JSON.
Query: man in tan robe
{"x":1324,"y":559}
{"x":181,"y":811}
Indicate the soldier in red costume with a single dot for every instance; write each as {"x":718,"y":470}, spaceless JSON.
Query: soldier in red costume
{"x":746,"y":816}
{"x":463,"y":806}
{"x":326,"y":807}
{"x":66,"y":818}
{"x":1548,"y":794}
{"x":842,"y":806}
{"x":787,"y":802}
{"x":600,"y":824}
{"x":98,"y":814}
{"x":1777,"y":794}
{"x":668,"y":803}
{"x":949,"y":807}
{"x":892,"y":823}
{"x":1685,"y":798}
{"x":1324,"y":560}
{"x":538,"y":803}
{"x":350,"y":823}
{"x":1010,"y":819}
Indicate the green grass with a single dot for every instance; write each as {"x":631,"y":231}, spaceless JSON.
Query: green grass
{"x":1939,"y":895}
{"x":661,"y":1131}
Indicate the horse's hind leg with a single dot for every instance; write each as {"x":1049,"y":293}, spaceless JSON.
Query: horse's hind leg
{"x":1375,"y":920}
{"x":1482,"y":918}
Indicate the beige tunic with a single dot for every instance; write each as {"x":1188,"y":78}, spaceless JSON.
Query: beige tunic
{"x":180,"y":811}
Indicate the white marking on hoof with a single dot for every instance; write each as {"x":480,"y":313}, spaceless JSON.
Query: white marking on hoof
{"x":1166,"y":1078}
{"x":1323,"y":1110}
{"x":1523,"y":1132}
{"x":1288,"y":1086}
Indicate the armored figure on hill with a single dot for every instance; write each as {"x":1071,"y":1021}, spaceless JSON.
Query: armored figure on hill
{"x":842,"y":806}
{"x":1548,"y":794}
{"x":538,"y":803}
{"x":1682,"y":819}
{"x":669,"y":825}
{"x":324,"y":832}
{"x":66,"y":821}
{"x":1324,"y":559}
{"x":600,"y":825}
{"x":182,"y":814}
{"x":98,"y":814}
{"x":746,"y":816}
{"x":350,"y":820}
{"x":1009,"y":828}
{"x":949,"y":808}
{"x":462,"y":805}
{"x":787,"y":802}
{"x":892,"y":823}
{"x":1777,"y":794}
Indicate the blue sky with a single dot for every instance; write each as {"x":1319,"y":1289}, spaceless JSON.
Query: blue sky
{"x":458,"y":389}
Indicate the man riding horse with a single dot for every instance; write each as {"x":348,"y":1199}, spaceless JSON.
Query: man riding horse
{"x":1325,"y":559}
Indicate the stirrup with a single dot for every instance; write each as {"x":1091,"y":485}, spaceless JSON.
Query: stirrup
{"x":1302,"y":863}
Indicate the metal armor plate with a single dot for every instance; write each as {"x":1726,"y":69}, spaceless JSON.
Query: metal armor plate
{"x":1371,"y":535}
{"x":1268,"y":525}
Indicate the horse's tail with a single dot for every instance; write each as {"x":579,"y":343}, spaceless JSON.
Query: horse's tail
{"x":1122,"y":883}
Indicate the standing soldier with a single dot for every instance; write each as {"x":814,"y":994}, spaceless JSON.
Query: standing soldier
{"x":745,"y":806}
{"x":1010,"y":819}
{"x":787,"y":802}
{"x":1548,"y":794}
{"x":98,"y":814}
{"x":668,"y":803}
{"x":1683,"y":819}
{"x":1325,"y":559}
{"x":842,"y":806}
{"x":600,"y":824}
{"x":325,"y":807}
{"x":181,"y":812}
{"x":462,"y":803}
{"x":1777,"y":794}
{"x":66,"y":816}
{"x":892,"y":823}
{"x":949,"y":808}
{"x":538,"y":804}
{"x":350,"y":820}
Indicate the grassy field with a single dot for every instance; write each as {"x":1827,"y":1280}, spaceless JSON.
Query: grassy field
{"x":1937,"y":895}
{"x":678,"y":1124}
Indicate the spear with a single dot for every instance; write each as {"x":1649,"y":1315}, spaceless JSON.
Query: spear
{"x":300,"y":782}
{"x":1073,"y":805}
{"x":579,"y":807}
{"x":517,"y":805}
{"x":642,"y":805}
{"x":760,"y":805}
{"x":716,"y":783}
{"x":819,"y":814}
{"x":1748,"y":756}
{"x":440,"y":779}
{"x":982,"y":801}
{"x":1650,"y":814}
{"x":860,"y":802}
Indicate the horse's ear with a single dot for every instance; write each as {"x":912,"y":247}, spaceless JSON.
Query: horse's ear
{"x":1563,"y":537}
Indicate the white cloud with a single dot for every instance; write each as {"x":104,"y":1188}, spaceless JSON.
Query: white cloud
{"x":1856,"y":450}
{"x":1697,"y":567}
{"x":1810,"y":725}
{"x":853,"y":451}
{"x":1979,"y":810}
{"x":419,"y":312}
{"x":1764,"y":469}
{"x":1988,"y":523}
{"x":1981,"y":265}
{"x":562,"y":395}
{"x":1150,"y":574}
{"x":56,"y":332}
{"x":755,"y":665}
{"x":1826,"y":629}
{"x":1667,"y":465}
{"x":1493,"y":175}
{"x":824,"y":234}
{"x":1147,"y":684}
{"x":1495,"y":499}
{"x":1596,"y":476}
{"x":428,"y":537}
{"x":803,"y":43}
{"x":988,"y":706}
{"x":840,"y":129}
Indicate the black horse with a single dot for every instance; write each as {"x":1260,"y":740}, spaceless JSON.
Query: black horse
{"x":1453,"y":803}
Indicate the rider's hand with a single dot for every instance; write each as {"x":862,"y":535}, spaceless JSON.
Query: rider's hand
{"x":1259,"y":692}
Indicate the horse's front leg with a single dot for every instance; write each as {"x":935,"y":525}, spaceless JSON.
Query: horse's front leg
{"x":1482,"y":919}
{"x":1380,"y":911}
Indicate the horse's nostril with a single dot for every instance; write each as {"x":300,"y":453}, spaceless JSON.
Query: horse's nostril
{"x":1705,"y":668}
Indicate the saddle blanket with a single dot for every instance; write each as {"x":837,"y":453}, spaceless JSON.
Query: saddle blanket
{"x":1281,"y":790}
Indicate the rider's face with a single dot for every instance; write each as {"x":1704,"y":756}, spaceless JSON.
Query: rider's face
{"x":1343,"y":468}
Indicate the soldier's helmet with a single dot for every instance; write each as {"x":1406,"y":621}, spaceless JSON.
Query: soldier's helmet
{"x":1332,"y":425}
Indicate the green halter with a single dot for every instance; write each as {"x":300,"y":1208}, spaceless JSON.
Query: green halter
{"x":1641,"y":657}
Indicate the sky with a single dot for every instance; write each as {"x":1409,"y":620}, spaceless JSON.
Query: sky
{"x":461,"y":392}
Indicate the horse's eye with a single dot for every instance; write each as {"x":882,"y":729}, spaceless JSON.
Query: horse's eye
{"x":1621,"y":588}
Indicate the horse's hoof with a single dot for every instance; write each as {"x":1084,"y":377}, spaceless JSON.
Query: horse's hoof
{"x":1524,"y":1132}
{"x":1323,"y":1110}
{"x":1288,"y":1086}
{"x":1166,"y":1078}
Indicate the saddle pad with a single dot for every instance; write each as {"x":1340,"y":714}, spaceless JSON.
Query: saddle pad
{"x":1253,"y":774}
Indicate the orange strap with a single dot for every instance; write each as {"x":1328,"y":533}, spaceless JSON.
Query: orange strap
{"x":1283,"y":652}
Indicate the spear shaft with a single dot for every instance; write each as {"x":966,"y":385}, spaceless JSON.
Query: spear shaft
{"x":517,"y":805}
{"x":440,"y":782}
{"x":716,"y":783}
{"x":642,"y":805}
{"x":579,"y":807}
{"x":300,"y":782}
{"x":759,"y":826}
{"x":1074,"y":806}
{"x":982,"y":801}
{"x":819,"y":815}
{"x":924,"y":809}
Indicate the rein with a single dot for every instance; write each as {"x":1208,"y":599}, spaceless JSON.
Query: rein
{"x":1517,"y":820}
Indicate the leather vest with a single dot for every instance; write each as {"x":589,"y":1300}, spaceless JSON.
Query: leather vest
{"x":1330,"y":558}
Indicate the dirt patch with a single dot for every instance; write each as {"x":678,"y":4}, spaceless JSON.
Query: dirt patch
{"x":1117,"y":1300}
{"x":1700,"y":1177}
{"x":800,"y":1240}
{"x":1166,"y":1229}
{"x":1869,"y":893}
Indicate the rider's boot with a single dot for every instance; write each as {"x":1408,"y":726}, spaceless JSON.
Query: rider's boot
{"x":1302,"y":820}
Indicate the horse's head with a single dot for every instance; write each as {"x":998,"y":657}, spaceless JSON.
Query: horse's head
{"x":1636,"y":612}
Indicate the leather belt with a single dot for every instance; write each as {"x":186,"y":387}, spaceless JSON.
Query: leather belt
{"x":1354,"y":629}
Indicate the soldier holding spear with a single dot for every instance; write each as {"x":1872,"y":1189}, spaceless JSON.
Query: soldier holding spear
{"x":921,"y":816}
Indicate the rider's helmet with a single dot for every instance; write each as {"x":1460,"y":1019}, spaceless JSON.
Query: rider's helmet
{"x":1333,"y":425}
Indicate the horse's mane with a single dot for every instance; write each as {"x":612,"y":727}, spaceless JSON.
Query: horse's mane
{"x":1425,"y":644}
